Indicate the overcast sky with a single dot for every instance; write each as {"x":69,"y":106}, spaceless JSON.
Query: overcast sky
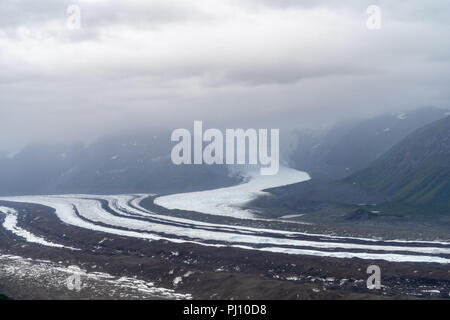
{"x":272,"y":63}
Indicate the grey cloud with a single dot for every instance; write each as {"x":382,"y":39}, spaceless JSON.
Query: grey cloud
{"x":21,"y":12}
{"x":137,"y":64}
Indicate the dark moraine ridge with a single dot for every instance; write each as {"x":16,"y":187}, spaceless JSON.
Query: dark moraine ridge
{"x":216,"y":274}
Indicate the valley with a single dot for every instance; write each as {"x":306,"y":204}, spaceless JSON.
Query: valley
{"x":230,"y":233}
{"x":178,"y":253}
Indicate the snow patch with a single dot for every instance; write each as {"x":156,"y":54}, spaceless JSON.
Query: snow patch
{"x":10,"y":224}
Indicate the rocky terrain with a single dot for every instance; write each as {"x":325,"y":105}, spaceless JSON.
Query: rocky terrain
{"x":190,"y":271}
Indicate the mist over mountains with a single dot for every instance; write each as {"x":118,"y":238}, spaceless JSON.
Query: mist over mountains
{"x":415,"y":171}
{"x":412,"y":176}
{"x":119,"y":164}
{"x":141,"y":163}
{"x":350,"y":147}
{"x":224,"y":150}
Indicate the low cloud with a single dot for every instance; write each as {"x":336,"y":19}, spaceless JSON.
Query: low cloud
{"x":136,"y":64}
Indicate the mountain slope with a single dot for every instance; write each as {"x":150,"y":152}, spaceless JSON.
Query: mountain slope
{"x":416,"y":171}
{"x":351,"y":147}
{"x":121,"y":164}
{"x":410,"y":179}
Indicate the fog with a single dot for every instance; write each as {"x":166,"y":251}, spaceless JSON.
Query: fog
{"x":161,"y":64}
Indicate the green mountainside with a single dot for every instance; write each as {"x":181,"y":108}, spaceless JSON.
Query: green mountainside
{"x":415,"y":171}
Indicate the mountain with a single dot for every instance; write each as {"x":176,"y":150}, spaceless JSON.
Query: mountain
{"x":350,"y":147}
{"x":415,"y":171}
{"x":412,"y":177}
{"x":141,"y":162}
{"x":121,"y":164}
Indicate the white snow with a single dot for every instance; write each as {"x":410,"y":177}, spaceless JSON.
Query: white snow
{"x":229,"y":201}
{"x":290,"y":216}
{"x":370,"y":256}
{"x":177,"y":281}
{"x":431,"y":291}
{"x":224,"y":202}
{"x":51,"y":274}
{"x":10,"y":224}
{"x":91,"y":209}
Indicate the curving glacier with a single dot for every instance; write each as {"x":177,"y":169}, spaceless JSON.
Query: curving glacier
{"x":116,"y":215}
{"x":229,"y":201}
